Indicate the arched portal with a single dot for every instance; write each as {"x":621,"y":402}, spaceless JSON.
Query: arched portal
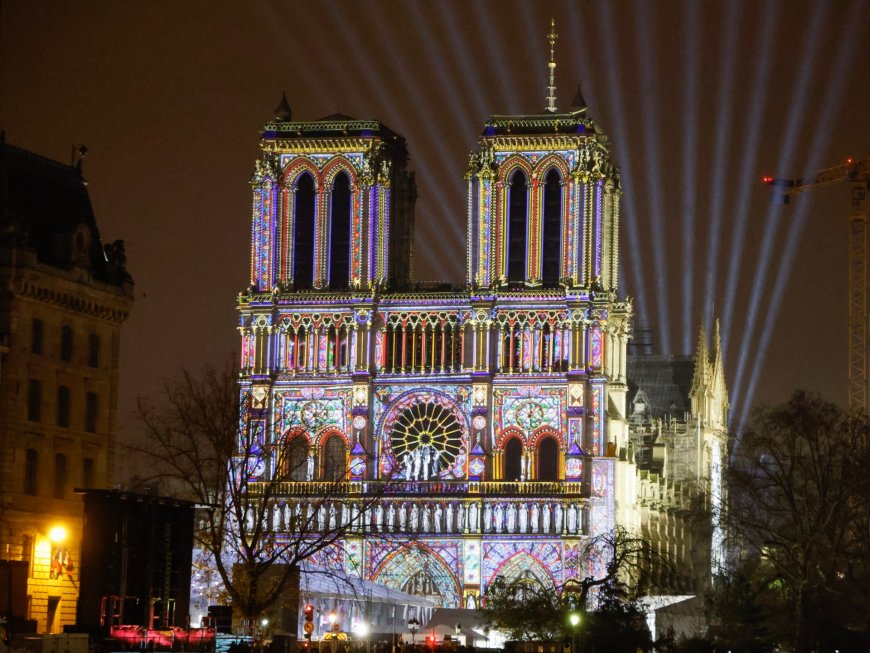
{"x":513,"y":459}
{"x":524,"y":572}
{"x":294,"y":465}
{"x":333,"y":461}
{"x":547,"y":455}
{"x":551,"y":242}
{"x":303,"y":232}
{"x":339,"y":234}
{"x":517,"y":216}
{"x":417,"y":570}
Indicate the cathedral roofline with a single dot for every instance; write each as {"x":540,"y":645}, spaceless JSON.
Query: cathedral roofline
{"x":558,"y":123}
{"x":335,"y":124}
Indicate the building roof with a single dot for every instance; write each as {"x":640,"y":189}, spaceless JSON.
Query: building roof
{"x":45,"y":206}
{"x":665,"y":380}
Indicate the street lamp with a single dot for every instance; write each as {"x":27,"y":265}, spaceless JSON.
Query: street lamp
{"x":333,"y":632}
{"x":413,"y":626}
{"x":362,"y":631}
{"x":574,"y":620}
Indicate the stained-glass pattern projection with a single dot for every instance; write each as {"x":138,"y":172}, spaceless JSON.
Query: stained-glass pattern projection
{"x":431,"y":424}
{"x":547,"y":554}
{"x":426,"y":439}
{"x":471,"y":557}
{"x":419,"y":571}
{"x":315,"y":412}
{"x":575,"y":431}
{"x":596,"y":347}
{"x":529,"y":411}
{"x":597,"y":418}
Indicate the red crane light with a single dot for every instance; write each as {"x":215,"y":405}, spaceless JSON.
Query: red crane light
{"x":767,"y":180}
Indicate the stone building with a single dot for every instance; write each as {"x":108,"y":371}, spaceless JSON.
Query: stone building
{"x":64,"y":297}
{"x":491,"y":420}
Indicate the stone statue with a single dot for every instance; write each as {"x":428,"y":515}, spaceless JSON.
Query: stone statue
{"x":413,"y":517}
{"x":402,"y":525}
{"x":460,"y":517}
{"x":448,"y":527}
{"x":391,"y":517}
{"x":572,"y":519}
{"x":524,"y":519}
{"x":332,"y":516}
{"x":511,"y":517}
{"x":417,"y":461}
{"x":408,"y":463}
{"x":436,"y":519}
{"x":309,"y":472}
{"x":379,"y":517}
{"x":535,"y":514}
{"x":424,"y":512}
{"x":558,"y":518}
{"x":436,"y":456}
{"x":497,"y":517}
{"x":424,"y":464}
{"x":545,"y":528}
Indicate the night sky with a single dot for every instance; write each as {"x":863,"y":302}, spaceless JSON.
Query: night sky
{"x":700,"y":100}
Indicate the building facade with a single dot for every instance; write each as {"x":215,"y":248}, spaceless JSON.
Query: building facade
{"x":491,"y":422}
{"x":64,"y":299}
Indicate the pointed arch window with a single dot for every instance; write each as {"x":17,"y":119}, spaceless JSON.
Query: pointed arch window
{"x":513,"y":460}
{"x":548,"y":459}
{"x":295,"y":467}
{"x":551,"y":241}
{"x":334,"y":466}
{"x":339,"y":233}
{"x":517,"y":219}
{"x":303,"y":232}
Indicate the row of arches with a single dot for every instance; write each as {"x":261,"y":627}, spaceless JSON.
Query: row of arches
{"x":516,"y":459}
{"x":520,"y":228}
{"x":299,"y":461}
{"x":337,"y":195}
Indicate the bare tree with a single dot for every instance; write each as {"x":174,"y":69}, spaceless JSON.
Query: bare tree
{"x":799,"y":503}
{"x":607,"y":597}
{"x":255,"y":522}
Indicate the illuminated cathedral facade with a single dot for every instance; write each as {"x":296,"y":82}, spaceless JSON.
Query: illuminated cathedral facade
{"x":491,"y":422}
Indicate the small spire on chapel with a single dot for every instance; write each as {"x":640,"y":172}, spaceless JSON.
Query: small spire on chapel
{"x":579,"y":101}
{"x":551,"y":87}
{"x":283,"y":113}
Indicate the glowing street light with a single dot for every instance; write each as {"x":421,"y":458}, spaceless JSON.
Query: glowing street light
{"x":362,"y":631}
{"x":574,"y":620}
{"x":57,"y":534}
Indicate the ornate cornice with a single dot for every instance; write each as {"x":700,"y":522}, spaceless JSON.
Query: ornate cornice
{"x":75,"y":302}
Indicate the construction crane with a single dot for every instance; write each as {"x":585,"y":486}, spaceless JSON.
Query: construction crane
{"x":857,"y":174}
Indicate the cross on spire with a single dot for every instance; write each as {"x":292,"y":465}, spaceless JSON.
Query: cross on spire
{"x":551,"y":87}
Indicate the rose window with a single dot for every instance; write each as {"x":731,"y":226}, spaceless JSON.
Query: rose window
{"x":426,"y":439}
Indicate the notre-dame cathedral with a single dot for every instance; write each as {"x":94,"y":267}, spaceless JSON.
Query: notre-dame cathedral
{"x":498,"y":423}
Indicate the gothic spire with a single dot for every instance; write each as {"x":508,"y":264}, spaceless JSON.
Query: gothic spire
{"x":283,"y":113}
{"x":551,"y":88}
{"x":702,"y":362}
{"x":579,"y":101}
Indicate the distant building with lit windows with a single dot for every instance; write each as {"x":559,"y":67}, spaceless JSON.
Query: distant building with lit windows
{"x":499,"y":416}
{"x":64,"y":297}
